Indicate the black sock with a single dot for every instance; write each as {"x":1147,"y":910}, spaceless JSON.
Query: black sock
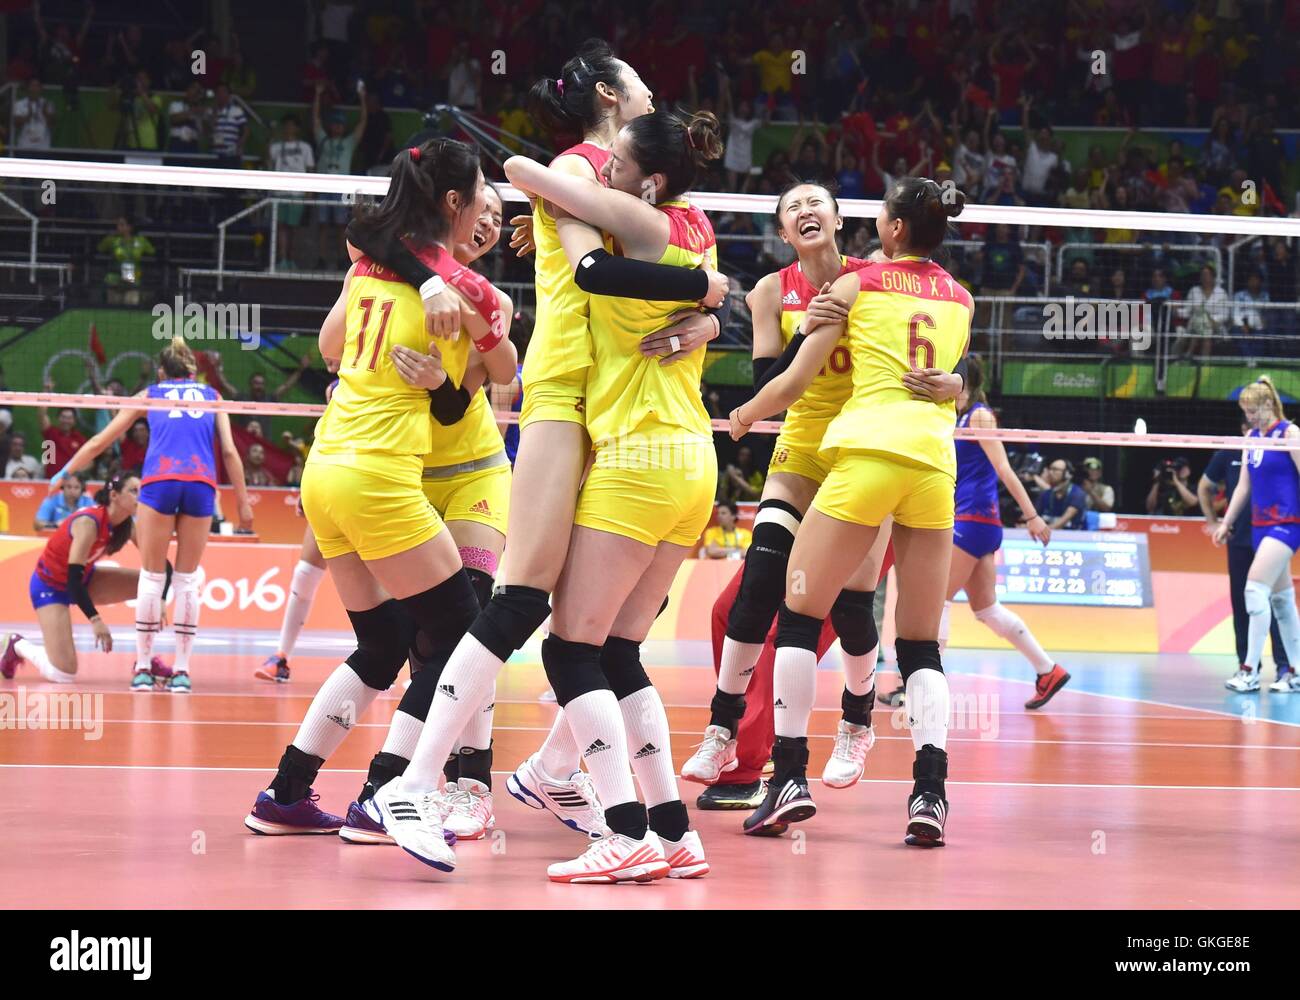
{"x":384,"y":767}
{"x":295,"y":775}
{"x":726,"y":710}
{"x":669,"y":819}
{"x":475,"y":764}
{"x":857,"y":707}
{"x":929,"y":771}
{"x":790,"y":759}
{"x":628,"y":818}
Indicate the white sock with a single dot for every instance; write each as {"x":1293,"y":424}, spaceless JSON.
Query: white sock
{"x":945,"y":623}
{"x":403,"y":734}
{"x":1288,"y":622}
{"x":648,"y":744}
{"x":478,"y":733}
{"x":1008,"y":625}
{"x":860,"y":671}
{"x":302,"y":591}
{"x":186,"y":621}
{"x":928,"y":705}
{"x":559,"y":756}
{"x":466,"y":682}
{"x":737,"y":666}
{"x":148,"y":615}
{"x":337,"y":706}
{"x":1260,"y":620}
{"x":37,"y":657}
{"x":794,"y":688}
{"x":597,"y":724}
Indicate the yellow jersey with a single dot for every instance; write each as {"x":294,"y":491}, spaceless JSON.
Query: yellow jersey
{"x":560,"y":343}
{"x":373,"y":410}
{"x":909,"y":312}
{"x":627,"y":391}
{"x":807,"y":419}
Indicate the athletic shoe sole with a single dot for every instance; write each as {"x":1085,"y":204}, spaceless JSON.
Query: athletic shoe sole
{"x":651,"y":871}
{"x":265,"y":675}
{"x":442,"y":866}
{"x":1036,"y":703}
{"x":356,"y":835}
{"x":268,"y":829}
{"x":791,"y":812}
{"x":848,"y":784}
{"x":727,"y":805}
{"x":704,"y":781}
{"x":534,"y":801}
{"x":924,"y":833}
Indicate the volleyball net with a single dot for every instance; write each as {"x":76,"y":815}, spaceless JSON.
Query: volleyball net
{"x":1120,"y":336}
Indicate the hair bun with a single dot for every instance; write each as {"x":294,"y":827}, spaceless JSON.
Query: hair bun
{"x":953,"y":201}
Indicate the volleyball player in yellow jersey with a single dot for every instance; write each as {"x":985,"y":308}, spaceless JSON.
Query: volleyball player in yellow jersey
{"x":891,"y":454}
{"x":785,"y":306}
{"x":384,"y":545}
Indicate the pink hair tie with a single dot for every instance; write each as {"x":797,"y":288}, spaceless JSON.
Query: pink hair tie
{"x":559,"y":85}
{"x":415,"y":153}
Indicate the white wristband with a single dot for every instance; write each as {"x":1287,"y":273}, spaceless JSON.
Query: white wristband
{"x":432,"y":287}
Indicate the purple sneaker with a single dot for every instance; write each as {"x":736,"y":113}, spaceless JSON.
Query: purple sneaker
{"x":361,"y":828}
{"x":10,"y":659}
{"x":303,"y":816}
{"x":159,"y":669}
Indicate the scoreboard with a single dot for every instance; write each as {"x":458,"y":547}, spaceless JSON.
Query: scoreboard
{"x":1094,"y":568}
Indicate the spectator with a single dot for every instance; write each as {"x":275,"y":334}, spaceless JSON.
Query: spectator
{"x":1101,"y":497}
{"x":334,"y":150}
{"x":1249,"y":321}
{"x":290,"y":153}
{"x":464,"y":79}
{"x":64,"y":437}
{"x":968,"y":163}
{"x":135,"y":444}
{"x":514,"y":120}
{"x":257,"y":392}
{"x":140,"y":126}
{"x":1003,"y":270}
{"x":775,"y":66}
{"x":1281,"y":268}
{"x":1160,"y":297}
{"x":850,"y":181}
{"x":1206,"y":312}
{"x":70,"y":498}
{"x":239,"y":75}
{"x":60,"y":56}
{"x":739,"y":156}
{"x":1170,"y":495}
{"x":315,"y":76}
{"x":726,"y":539}
{"x":1040,"y":158}
{"x":33,"y":117}
{"x":188,"y":119}
{"x":128,"y":250}
{"x":1079,"y":281}
{"x":1061,"y":503}
{"x":997,"y":161}
{"x":6,"y":425}
{"x":19,"y":460}
{"x":376,"y":146}
{"x":229,"y":129}
{"x":742,"y":480}
{"x":255,"y":471}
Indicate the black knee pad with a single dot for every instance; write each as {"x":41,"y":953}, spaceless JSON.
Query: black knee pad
{"x":510,"y":619}
{"x":443,"y":613}
{"x":762,"y":584}
{"x":384,"y":636}
{"x":573,"y":668}
{"x":483,"y":584}
{"x":917,"y":654}
{"x":794,"y":629}
{"x":620,"y":659}
{"x":417,"y":698}
{"x":853,"y":616}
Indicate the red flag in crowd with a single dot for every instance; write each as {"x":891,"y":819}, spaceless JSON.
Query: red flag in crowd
{"x":97,"y":346}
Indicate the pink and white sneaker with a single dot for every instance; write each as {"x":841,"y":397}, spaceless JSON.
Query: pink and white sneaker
{"x":9,"y":659}
{"x":467,"y":805}
{"x":686,"y":856}
{"x":614,"y":858}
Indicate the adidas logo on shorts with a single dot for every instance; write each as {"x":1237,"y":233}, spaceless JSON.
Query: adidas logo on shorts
{"x":481,"y":508}
{"x":791,"y":298}
{"x":449,"y":690}
{"x":649,"y":750}
{"x":596,"y":747}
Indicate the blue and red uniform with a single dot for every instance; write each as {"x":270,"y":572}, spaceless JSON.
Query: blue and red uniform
{"x":180,"y":467}
{"x":49,"y":582}
{"x":977,"y":521}
{"x":512,"y":431}
{"x":1274,"y":491}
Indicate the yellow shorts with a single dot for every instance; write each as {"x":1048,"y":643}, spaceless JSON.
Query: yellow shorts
{"x":365,"y":505}
{"x":482,"y":496}
{"x":562,"y":397}
{"x":654,"y":491}
{"x":866,"y":487}
{"x":798,"y":459}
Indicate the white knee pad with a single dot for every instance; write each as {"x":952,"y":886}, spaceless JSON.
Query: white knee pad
{"x":1258,"y":597}
{"x":1283,"y":602}
{"x":1002,"y":622}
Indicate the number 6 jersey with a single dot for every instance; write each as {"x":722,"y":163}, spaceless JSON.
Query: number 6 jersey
{"x":909,"y":313}
{"x":180,"y":441}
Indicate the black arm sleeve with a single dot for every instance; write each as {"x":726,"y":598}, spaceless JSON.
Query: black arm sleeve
{"x":602,"y":273}
{"x":961,"y":370}
{"x":392,"y":253}
{"x":775,"y":368}
{"x":448,"y":402}
{"x":77,"y":589}
{"x":167,"y":583}
{"x":723,"y":313}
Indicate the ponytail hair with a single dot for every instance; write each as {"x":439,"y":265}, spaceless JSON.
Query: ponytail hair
{"x":415,"y":204}
{"x":1263,"y":390}
{"x":177,"y":360}
{"x":926,"y":207}
{"x":121,"y":533}
{"x":568,"y":104}
{"x":975,"y":381}
{"x":679,"y":148}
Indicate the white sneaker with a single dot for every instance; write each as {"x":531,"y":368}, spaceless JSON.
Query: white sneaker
{"x":573,"y":802}
{"x":468,"y":807}
{"x":1243,"y":681}
{"x":715,"y":755}
{"x":686,"y":856}
{"x":614,"y":858}
{"x":414,"y":822}
{"x":849,"y":758}
{"x":1287,"y":683}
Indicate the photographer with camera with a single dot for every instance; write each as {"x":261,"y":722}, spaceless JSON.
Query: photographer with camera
{"x":1062,"y":504}
{"x":1170,"y":493}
